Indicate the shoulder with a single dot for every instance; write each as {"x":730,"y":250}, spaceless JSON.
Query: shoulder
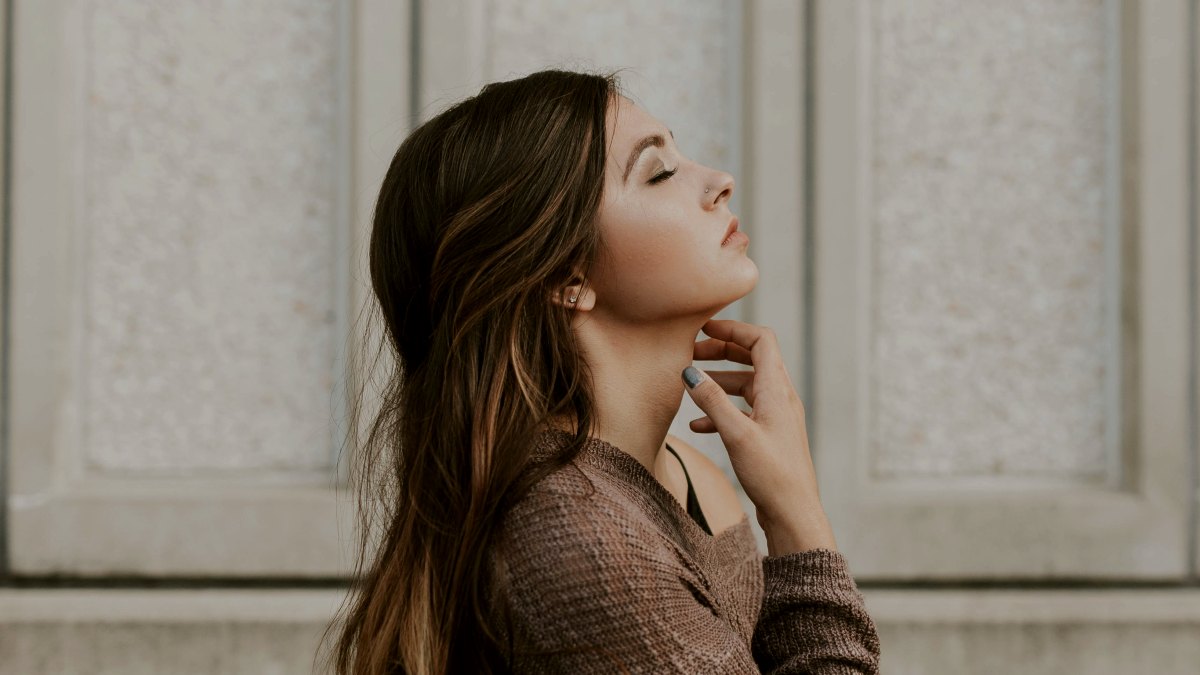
{"x":718,"y":497}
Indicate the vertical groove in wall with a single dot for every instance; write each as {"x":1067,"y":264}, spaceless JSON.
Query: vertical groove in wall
{"x":808,"y":194}
{"x":1131,"y":336}
{"x":734,"y":133}
{"x":745,"y":138}
{"x":5,"y":268}
{"x":414,"y":64}
{"x":1193,"y":172}
{"x":1113,"y":224}
{"x":344,"y":225}
{"x":487,"y":39}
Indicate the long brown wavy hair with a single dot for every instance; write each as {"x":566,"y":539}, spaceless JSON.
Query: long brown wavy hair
{"x":486,"y":212}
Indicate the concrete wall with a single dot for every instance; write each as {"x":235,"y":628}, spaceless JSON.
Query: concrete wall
{"x":976,"y":224}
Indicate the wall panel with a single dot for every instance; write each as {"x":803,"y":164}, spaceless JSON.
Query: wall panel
{"x":999,"y":224}
{"x":188,"y":196}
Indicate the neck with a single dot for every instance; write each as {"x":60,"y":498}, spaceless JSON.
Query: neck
{"x":636,"y":376}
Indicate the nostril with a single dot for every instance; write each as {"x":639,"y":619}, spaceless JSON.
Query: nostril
{"x":726,"y":188}
{"x":725,"y":182}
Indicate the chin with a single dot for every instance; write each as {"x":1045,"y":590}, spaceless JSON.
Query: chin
{"x":747,"y":277}
{"x":739,"y":286}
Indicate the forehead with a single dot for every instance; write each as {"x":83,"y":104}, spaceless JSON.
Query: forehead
{"x":628,"y":122}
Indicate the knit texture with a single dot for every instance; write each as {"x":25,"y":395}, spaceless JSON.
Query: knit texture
{"x":605,"y":567}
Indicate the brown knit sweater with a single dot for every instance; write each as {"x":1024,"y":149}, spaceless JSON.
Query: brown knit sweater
{"x":605,"y":566}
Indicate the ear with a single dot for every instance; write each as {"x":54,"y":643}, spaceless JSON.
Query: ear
{"x":585,"y":298}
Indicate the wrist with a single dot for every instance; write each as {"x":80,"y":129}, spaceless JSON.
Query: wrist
{"x":798,"y":533}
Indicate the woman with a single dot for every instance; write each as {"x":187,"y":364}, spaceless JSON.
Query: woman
{"x":544,"y":256}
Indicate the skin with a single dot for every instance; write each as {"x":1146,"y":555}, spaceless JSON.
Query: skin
{"x":662,"y":275}
{"x":718,"y":499}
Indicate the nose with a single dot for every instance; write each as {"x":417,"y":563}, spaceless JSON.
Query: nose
{"x":722,"y":187}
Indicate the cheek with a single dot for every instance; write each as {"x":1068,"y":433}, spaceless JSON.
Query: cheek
{"x":651,"y":250}
{"x":651,"y":263}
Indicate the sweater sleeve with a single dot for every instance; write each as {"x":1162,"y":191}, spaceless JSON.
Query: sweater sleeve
{"x":590,"y":590}
{"x":813,"y":618}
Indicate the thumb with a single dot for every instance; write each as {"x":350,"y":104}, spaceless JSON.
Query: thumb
{"x":711,"y":398}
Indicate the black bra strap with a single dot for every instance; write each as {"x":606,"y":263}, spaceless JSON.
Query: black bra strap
{"x":693,"y":504}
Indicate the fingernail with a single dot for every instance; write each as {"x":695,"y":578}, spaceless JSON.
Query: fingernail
{"x":692,"y":377}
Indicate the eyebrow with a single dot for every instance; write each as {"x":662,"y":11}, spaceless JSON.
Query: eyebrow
{"x":655,"y":140}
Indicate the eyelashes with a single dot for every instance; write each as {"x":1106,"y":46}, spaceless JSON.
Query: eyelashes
{"x":663,"y":176}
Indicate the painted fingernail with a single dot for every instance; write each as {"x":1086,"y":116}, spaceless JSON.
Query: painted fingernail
{"x":692,"y":377}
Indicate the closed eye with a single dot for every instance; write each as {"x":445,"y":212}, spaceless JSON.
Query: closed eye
{"x":663,"y":176}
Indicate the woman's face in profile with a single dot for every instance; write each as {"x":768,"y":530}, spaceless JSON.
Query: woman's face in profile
{"x":662,"y":232}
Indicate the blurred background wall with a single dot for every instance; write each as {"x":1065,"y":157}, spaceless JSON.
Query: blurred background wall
{"x":975,"y":223}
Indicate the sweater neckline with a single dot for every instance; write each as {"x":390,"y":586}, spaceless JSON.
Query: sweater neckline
{"x":623,"y":466}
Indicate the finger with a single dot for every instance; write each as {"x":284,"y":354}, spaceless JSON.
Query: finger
{"x":704,"y":425}
{"x":762,"y":344}
{"x":735,"y":382}
{"x":712,"y":349}
{"x":713,"y":401}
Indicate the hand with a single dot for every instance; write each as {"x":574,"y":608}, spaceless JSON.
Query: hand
{"x":768,"y":448}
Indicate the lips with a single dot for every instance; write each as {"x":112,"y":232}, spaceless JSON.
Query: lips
{"x":733,"y":226}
